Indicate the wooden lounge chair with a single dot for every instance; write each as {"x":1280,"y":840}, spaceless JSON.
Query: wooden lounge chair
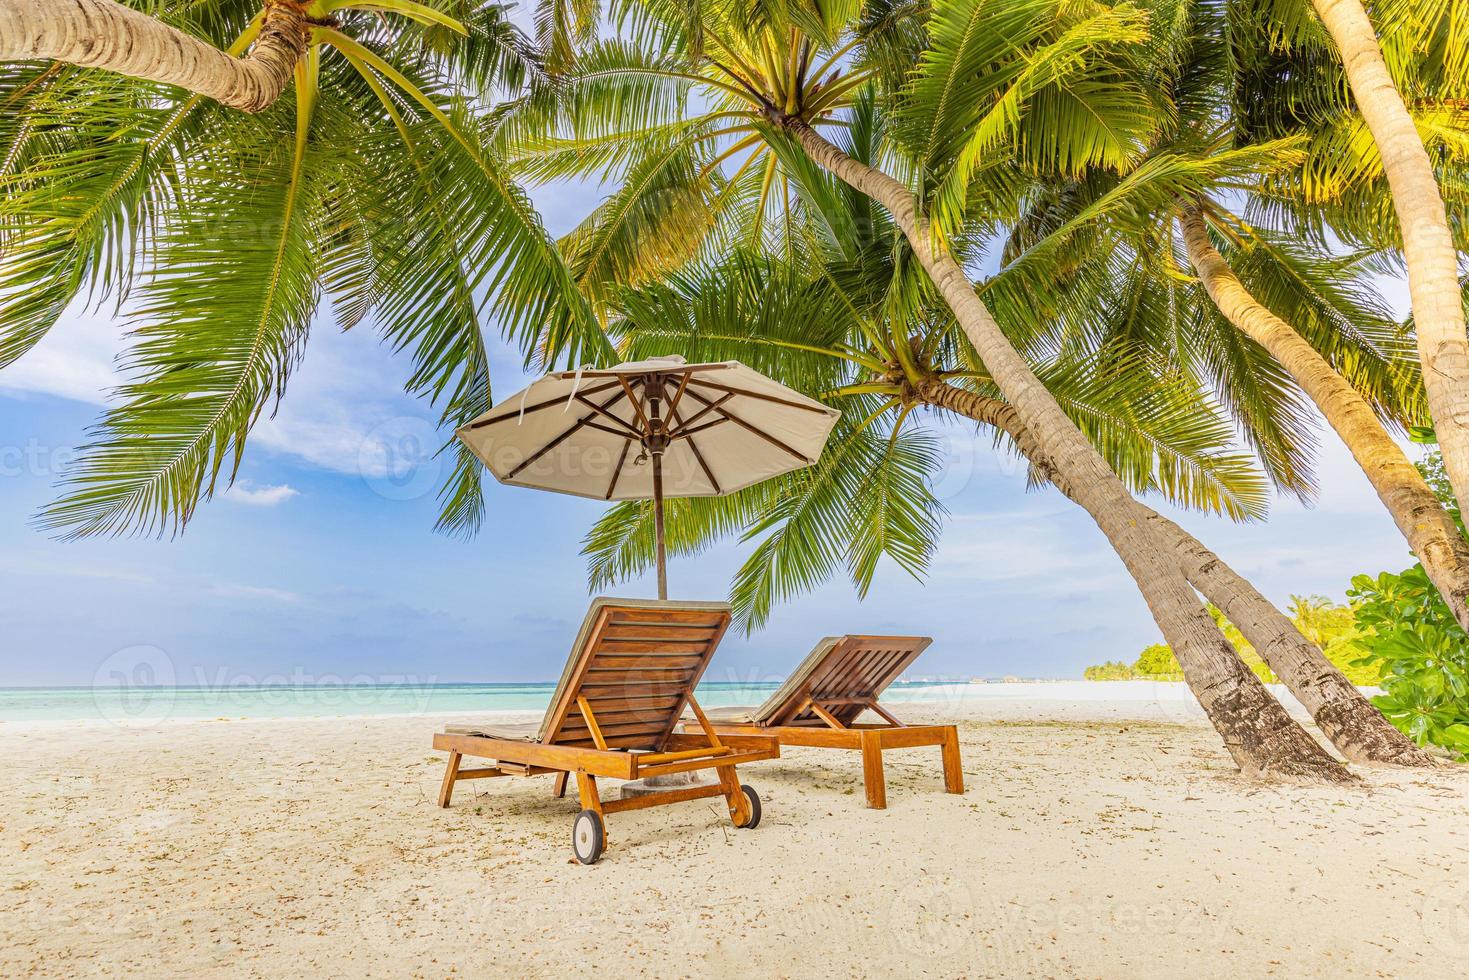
{"x":614,"y":713}
{"x":818,"y":705}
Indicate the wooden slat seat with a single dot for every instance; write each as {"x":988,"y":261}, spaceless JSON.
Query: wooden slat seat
{"x":820,"y":702}
{"x":615,"y":711}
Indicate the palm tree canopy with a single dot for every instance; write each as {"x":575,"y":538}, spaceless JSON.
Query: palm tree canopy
{"x":826,"y":325}
{"x":1072,"y":130}
{"x":220,"y":235}
{"x":1069,"y":133}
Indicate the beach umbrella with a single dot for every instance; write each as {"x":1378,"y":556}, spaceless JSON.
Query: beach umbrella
{"x":650,"y":429}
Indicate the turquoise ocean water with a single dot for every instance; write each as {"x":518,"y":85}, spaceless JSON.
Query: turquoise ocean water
{"x":141,"y":702}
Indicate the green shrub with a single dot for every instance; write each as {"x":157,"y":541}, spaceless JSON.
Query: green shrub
{"x":1158,"y":663}
{"x":1333,"y":628}
{"x":1112,"y":670}
{"x":1329,"y":625}
{"x":1409,"y":634}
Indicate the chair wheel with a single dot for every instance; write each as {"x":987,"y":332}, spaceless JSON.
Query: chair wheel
{"x":588,"y":837}
{"x":752,"y":799}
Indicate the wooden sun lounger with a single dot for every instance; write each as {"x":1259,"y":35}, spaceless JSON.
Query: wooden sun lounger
{"x":818,"y":705}
{"x":614,"y":714}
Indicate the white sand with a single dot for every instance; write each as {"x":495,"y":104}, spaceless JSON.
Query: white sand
{"x":1089,"y":844}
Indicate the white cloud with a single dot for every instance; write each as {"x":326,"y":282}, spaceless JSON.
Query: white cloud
{"x":1036,"y":547}
{"x":323,"y":434}
{"x":36,"y":563}
{"x":233,"y":590}
{"x":76,"y":359}
{"x":348,"y":386}
{"x":344,"y":411}
{"x":266,"y":496}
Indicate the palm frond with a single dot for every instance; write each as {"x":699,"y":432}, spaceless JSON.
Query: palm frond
{"x":222,"y":322}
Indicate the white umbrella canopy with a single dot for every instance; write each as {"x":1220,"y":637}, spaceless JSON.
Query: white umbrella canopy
{"x":650,"y":429}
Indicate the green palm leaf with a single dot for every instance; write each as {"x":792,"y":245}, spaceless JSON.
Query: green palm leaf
{"x":222,"y":323}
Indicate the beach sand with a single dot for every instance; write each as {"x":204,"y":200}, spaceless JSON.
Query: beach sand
{"x":1095,"y":839}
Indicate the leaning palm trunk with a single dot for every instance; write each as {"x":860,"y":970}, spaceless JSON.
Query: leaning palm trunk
{"x":1431,"y":532}
{"x":104,"y":34}
{"x":1428,"y":245}
{"x":1344,"y":715}
{"x":1258,"y":733}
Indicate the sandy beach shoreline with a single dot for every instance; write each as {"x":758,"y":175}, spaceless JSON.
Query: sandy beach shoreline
{"x":1099,"y":837}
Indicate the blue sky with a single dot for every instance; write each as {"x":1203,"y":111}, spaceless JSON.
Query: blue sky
{"x":321,"y":563}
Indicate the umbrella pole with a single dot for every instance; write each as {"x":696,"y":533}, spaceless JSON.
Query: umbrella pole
{"x":658,"y":524}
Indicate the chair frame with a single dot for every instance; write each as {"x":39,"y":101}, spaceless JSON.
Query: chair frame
{"x":675,"y":751}
{"x":685,"y":752}
{"x":832,"y":732}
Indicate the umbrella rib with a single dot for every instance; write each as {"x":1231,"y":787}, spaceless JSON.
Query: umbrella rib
{"x":687,"y":433}
{"x":619,"y":433}
{"x":702,"y":412}
{"x":627,"y":428}
{"x":558,"y":400}
{"x":637,"y":404}
{"x":762,"y":396}
{"x":555,"y":442}
{"x":678,"y":395}
{"x":674,"y":423}
{"x":617,"y":470}
{"x":545,"y":449}
{"x":718,"y":490}
{"x":747,"y":426}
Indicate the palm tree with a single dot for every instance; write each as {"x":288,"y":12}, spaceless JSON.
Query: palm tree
{"x":105,"y":34}
{"x":995,"y":82}
{"x":1428,"y":242}
{"x":1202,"y":67}
{"x":1428,"y":528}
{"x":869,"y":496}
{"x":221,"y":233}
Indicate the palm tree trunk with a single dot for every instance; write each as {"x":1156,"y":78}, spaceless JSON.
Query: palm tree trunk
{"x":105,"y":34}
{"x":1341,"y":711}
{"x":1431,"y":532}
{"x":1428,"y":245}
{"x":1260,"y":736}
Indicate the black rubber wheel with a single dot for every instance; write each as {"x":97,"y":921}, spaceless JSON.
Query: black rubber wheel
{"x":588,"y":837}
{"x":753,"y":799}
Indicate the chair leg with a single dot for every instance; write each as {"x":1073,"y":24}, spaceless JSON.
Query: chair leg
{"x":586,"y":788}
{"x":739,"y":810}
{"x":561,"y":784}
{"x":451,"y":773}
{"x":953,"y":771}
{"x":872,"y":777}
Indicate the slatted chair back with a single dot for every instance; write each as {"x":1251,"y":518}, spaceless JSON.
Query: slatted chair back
{"x":840,"y":674}
{"x":635,"y":662}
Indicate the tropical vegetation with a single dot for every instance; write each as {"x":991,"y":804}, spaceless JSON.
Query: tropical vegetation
{"x":223,"y":235}
{"x":959,"y":222}
{"x":1410,"y":637}
{"x":732,"y":66}
{"x":1398,"y":633}
{"x":1116,"y":234}
{"x":1330,"y":626}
